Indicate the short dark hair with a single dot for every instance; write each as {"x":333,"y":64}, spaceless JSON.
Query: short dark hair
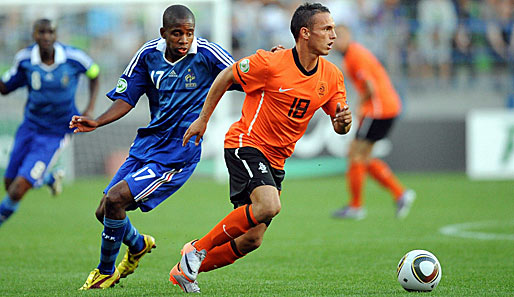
{"x":41,"y":22}
{"x":302,"y":17}
{"x":174,"y":13}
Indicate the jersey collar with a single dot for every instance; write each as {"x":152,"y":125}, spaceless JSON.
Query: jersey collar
{"x":299,"y":65}
{"x":59,"y":56}
{"x":161,"y":46}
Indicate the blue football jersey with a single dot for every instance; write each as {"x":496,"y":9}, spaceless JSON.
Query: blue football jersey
{"x":51,"y":88}
{"x":176,"y":93}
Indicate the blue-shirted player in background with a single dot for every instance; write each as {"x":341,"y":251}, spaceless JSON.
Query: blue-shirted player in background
{"x":51,"y":72}
{"x":175,"y":72}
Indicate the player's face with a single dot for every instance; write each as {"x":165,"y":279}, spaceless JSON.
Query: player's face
{"x":179,"y":37}
{"x":45,"y":36}
{"x":322,"y":34}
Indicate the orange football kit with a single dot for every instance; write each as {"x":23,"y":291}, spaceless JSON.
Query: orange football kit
{"x":361,"y":65}
{"x":281,"y":98}
{"x":280,"y":101}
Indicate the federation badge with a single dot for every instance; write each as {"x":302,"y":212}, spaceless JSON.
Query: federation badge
{"x":244,"y":65}
{"x":322,"y":88}
{"x":190,"y":77}
{"x":121,"y":86}
{"x":65,"y":80}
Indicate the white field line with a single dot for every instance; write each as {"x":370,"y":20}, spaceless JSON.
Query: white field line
{"x":461,"y":230}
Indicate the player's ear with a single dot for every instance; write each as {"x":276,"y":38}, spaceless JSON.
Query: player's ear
{"x":304,"y":32}
{"x":162,"y":31}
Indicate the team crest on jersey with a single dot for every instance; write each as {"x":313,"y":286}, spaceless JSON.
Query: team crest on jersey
{"x":121,"y":86}
{"x":190,"y":77}
{"x":322,"y":88}
{"x":244,"y":65}
{"x":65,"y":80}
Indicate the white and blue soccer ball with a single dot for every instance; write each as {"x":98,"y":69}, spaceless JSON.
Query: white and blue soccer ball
{"x":419,"y":270}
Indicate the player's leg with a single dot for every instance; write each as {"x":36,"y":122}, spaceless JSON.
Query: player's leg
{"x":55,"y":176}
{"x":382,"y":173}
{"x":115,"y":222}
{"x":54,"y":180}
{"x":150,"y":186}
{"x":252,"y":173}
{"x":233,"y":250}
{"x":111,"y":212}
{"x":15,"y":193}
{"x":359,"y":153}
{"x":29,"y":160}
{"x":219,"y":256}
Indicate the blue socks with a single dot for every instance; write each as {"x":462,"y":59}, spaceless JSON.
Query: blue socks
{"x":133,"y":239}
{"x":7,"y":208}
{"x":112,"y":236}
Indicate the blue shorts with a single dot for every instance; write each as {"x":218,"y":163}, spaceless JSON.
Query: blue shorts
{"x":151,"y":183}
{"x":33,"y":154}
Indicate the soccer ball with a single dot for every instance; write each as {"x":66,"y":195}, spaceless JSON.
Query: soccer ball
{"x":419,"y":270}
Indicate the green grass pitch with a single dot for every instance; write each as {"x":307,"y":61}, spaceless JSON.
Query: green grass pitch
{"x":51,"y":244}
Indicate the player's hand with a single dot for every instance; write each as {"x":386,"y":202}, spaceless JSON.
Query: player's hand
{"x":82,"y":124}
{"x":197,"y":129}
{"x":277,"y":48}
{"x":343,"y":116}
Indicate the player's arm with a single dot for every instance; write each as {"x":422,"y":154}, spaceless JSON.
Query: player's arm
{"x":118,"y":109}
{"x":220,"y":85}
{"x":93,"y":73}
{"x":342,"y":120}
{"x":367,"y":92}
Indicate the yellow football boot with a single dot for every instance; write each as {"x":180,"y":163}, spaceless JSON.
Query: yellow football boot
{"x":96,"y":280}
{"x":131,"y":261}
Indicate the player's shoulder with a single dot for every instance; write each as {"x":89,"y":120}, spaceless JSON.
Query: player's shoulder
{"x":212,"y":51}
{"x":272,"y":58}
{"x":24,"y":53}
{"x":74,"y":53}
{"x":329,"y":67}
{"x":149,"y":47}
{"x":206,"y":45}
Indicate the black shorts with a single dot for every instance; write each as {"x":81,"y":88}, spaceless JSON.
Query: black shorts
{"x":248,"y":168}
{"x":374,"y":129}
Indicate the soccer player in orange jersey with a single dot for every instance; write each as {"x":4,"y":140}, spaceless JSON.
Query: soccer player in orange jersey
{"x":379,"y":106}
{"x":283,"y":90}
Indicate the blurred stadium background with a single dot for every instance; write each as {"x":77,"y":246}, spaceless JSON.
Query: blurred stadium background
{"x":452,"y":62}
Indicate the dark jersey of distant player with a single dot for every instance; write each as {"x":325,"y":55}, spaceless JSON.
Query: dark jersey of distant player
{"x":51,"y":100}
{"x":176,"y":93}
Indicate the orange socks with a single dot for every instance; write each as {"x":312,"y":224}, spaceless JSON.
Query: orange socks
{"x":356,"y":176}
{"x":380,"y":171}
{"x":221,"y":256}
{"x":236,"y":223}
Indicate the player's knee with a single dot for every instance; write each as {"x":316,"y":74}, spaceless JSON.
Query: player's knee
{"x":114,"y":201}
{"x":269,"y":211}
{"x":17,"y":190}
{"x":99,"y":213}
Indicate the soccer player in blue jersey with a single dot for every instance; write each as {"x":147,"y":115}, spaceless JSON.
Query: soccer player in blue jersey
{"x":175,"y":72}
{"x":50,"y":71}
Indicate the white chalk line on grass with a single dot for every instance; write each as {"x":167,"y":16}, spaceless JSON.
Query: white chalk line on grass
{"x":461,"y":230}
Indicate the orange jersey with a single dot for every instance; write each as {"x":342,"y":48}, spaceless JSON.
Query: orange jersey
{"x":281,"y":98}
{"x":362,"y":66}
